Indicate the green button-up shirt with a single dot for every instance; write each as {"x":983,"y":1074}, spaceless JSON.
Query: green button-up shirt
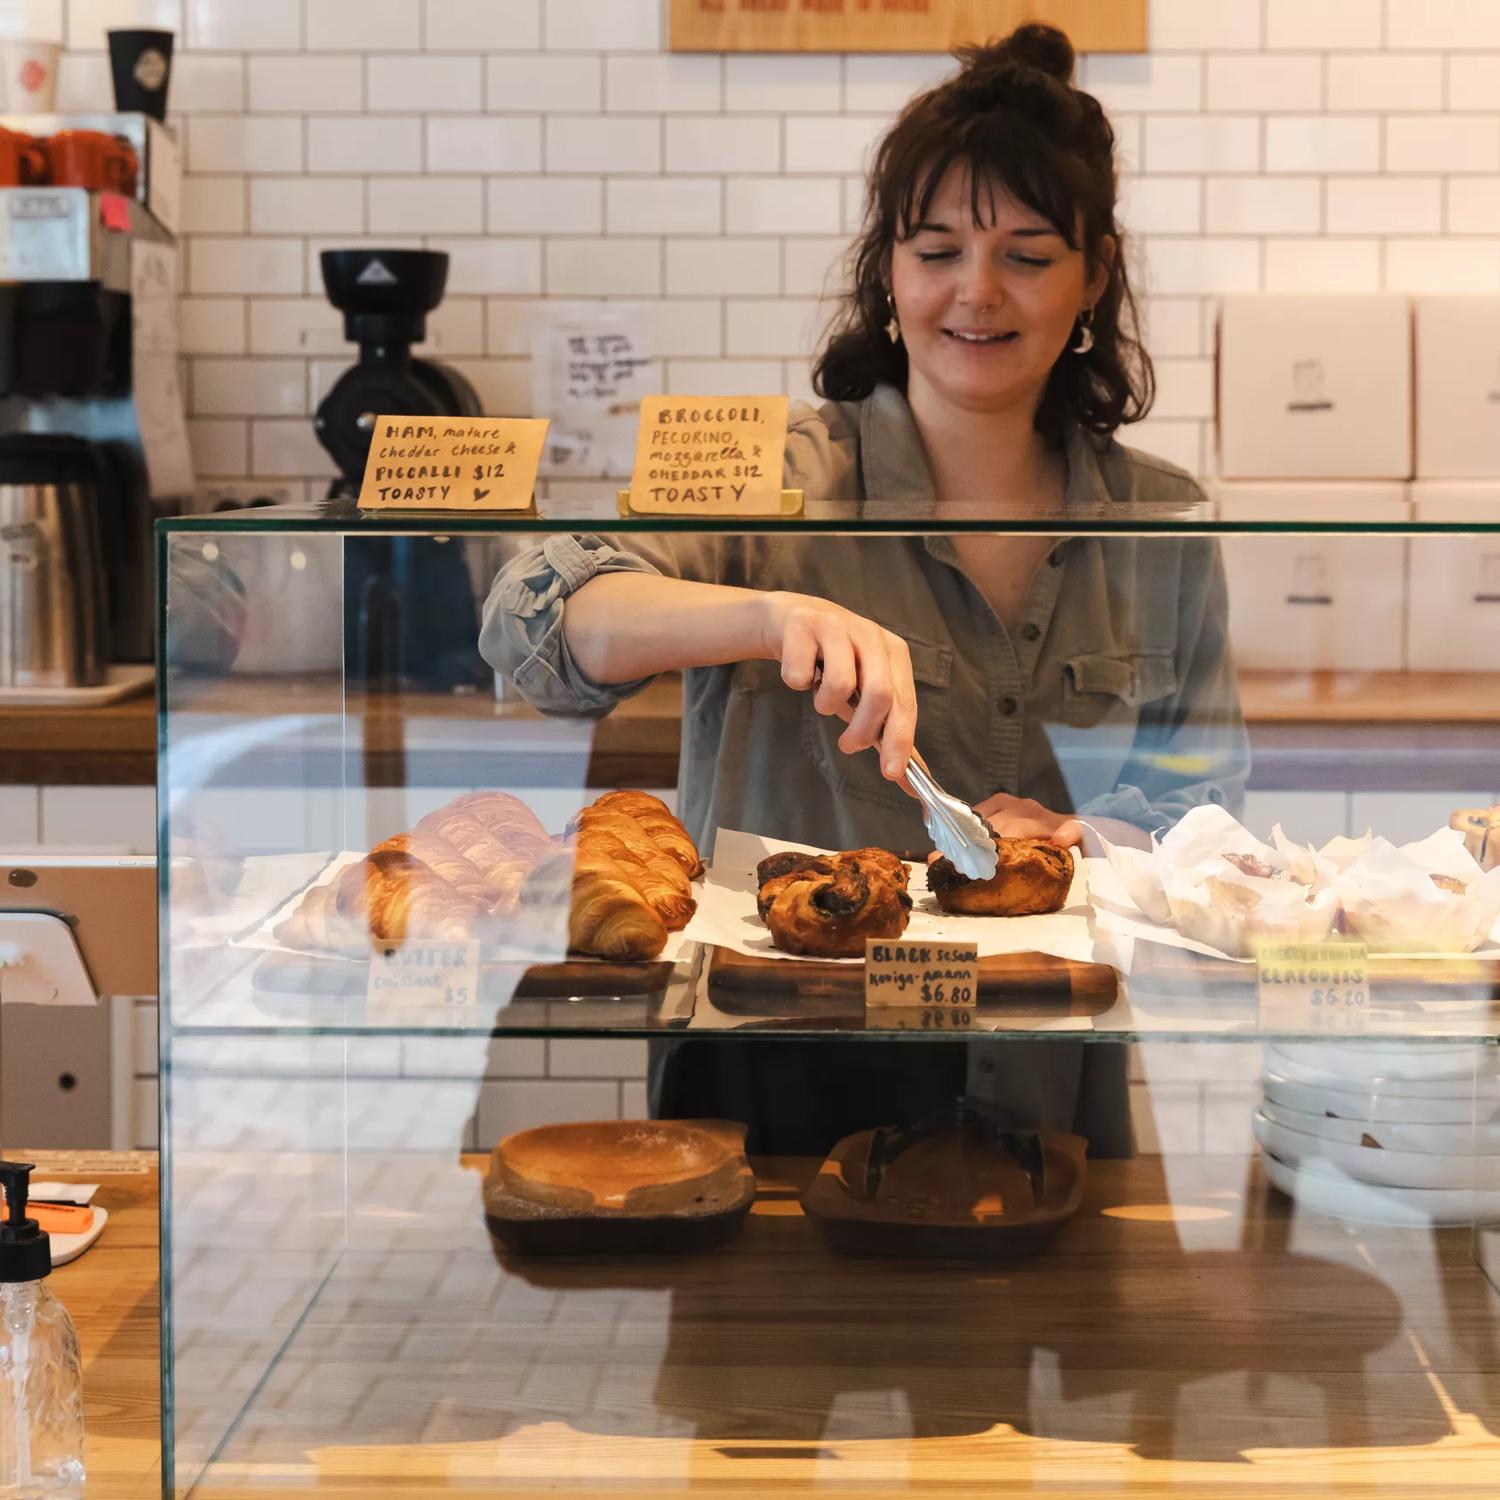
{"x":1113,"y":693}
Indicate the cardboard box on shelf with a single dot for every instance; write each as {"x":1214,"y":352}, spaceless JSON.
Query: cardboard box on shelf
{"x":1458,"y":387}
{"x":1316,"y":601}
{"x":1453,"y":586}
{"x":1315,"y":387}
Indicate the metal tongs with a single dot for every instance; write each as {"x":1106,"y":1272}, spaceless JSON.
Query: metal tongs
{"x":953,"y":826}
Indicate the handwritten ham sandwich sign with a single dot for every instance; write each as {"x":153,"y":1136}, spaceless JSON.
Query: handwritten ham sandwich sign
{"x":452,"y":463}
{"x":710,"y":456}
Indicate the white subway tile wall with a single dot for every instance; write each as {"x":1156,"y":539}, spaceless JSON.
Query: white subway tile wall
{"x":554,"y":149}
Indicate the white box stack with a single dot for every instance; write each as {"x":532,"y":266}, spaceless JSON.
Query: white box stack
{"x":1453,"y":588}
{"x":1458,"y":387}
{"x":1314,"y":387}
{"x":1315,"y":601}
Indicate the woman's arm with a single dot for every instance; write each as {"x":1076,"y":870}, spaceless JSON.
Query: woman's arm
{"x":621,"y":627}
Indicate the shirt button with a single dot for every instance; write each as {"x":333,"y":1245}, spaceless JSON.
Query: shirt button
{"x":1030,"y":631}
{"x":1216,"y":794}
{"x":1055,"y":557}
{"x":1009,"y":707}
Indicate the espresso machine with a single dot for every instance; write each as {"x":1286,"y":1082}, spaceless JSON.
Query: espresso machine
{"x":93,"y":436}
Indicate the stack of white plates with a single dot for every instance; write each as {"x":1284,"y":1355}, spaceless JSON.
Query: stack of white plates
{"x":1405,"y":1133}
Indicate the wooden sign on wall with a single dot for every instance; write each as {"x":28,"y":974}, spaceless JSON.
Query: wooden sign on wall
{"x":895,"y":25}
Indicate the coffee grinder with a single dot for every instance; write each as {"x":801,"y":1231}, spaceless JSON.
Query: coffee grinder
{"x":411,"y":619}
{"x":385,"y":296}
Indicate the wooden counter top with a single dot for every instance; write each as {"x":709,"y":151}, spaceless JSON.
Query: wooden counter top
{"x":638,"y":743}
{"x":1189,"y":1334}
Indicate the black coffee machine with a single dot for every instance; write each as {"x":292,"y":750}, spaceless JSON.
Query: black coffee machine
{"x":385,"y":296}
{"x":410,"y":617}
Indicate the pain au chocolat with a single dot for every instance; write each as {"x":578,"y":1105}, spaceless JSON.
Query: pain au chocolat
{"x":827,"y":905}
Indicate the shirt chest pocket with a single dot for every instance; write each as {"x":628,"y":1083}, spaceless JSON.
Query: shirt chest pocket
{"x":858,"y":775}
{"x":1108,"y":688}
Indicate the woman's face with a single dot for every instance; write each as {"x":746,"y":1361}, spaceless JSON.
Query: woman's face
{"x":986,"y":308}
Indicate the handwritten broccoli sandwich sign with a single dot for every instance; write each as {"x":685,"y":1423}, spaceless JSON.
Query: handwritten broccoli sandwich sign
{"x":710,"y":456}
{"x":452,"y":463}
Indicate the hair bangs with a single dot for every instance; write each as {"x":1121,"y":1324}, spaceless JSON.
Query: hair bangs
{"x":1000,"y":156}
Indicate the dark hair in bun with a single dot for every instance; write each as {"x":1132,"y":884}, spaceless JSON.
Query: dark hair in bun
{"x":1044,"y":48}
{"x":1011,"y":116}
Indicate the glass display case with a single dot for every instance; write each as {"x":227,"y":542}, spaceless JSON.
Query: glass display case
{"x":1275,"y":1039}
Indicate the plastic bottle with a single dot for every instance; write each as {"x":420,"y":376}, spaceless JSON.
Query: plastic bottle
{"x":41,"y":1384}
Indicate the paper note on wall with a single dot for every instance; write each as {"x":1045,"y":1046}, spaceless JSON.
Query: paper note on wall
{"x":590,"y":370}
{"x":159,"y":404}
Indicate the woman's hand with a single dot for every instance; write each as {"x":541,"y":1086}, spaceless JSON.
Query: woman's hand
{"x":855,"y":656}
{"x":1023,"y":818}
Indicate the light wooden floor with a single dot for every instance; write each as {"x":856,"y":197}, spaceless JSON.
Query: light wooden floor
{"x":1188,"y":1336}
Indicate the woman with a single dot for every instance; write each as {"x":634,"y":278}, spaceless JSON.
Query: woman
{"x":983,"y":362}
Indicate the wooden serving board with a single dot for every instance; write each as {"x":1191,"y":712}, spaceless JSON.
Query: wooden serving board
{"x":306,"y":974}
{"x":855,"y":1225}
{"x":612,"y":1186}
{"x":1016,"y":984}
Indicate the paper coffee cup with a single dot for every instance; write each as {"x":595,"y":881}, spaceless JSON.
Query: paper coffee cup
{"x":30,"y":76}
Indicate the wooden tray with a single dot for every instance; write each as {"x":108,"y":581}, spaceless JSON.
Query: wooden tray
{"x":1012,"y":984}
{"x":306,"y":974}
{"x":613,"y":1186}
{"x":855,"y":1225}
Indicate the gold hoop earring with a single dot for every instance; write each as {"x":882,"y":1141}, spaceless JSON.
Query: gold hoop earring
{"x":1085,"y":332}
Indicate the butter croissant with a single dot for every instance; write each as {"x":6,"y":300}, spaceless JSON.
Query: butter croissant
{"x":501,"y":864}
{"x":316,"y":924}
{"x":607,"y":914}
{"x":660,"y":824}
{"x":446,"y":861}
{"x":627,"y":880}
{"x":632,"y":836}
{"x":666,"y":889}
{"x":392,"y":895}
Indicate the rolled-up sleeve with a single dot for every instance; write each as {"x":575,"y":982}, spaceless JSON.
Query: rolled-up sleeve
{"x":1192,"y":747}
{"x":521,"y":635}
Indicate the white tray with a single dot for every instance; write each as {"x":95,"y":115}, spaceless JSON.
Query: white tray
{"x":1403,"y":1061}
{"x":1371,"y":1164}
{"x":1484,"y":1086}
{"x":1352,"y":1104}
{"x":1437,"y":1140}
{"x":1343,"y":1198}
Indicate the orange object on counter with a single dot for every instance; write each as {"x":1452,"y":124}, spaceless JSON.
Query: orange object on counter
{"x":23,"y":159}
{"x":57,"y":1218}
{"x":93,"y":160}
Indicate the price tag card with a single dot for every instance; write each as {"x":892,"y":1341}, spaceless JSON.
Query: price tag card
{"x":1314,"y":986}
{"x":709,"y":456}
{"x":452,"y":463}
{"x":921,"y":986}
{"x":426,"y":976}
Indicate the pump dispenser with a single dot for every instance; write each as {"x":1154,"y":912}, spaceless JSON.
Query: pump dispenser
{"x":41,"y":1386}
